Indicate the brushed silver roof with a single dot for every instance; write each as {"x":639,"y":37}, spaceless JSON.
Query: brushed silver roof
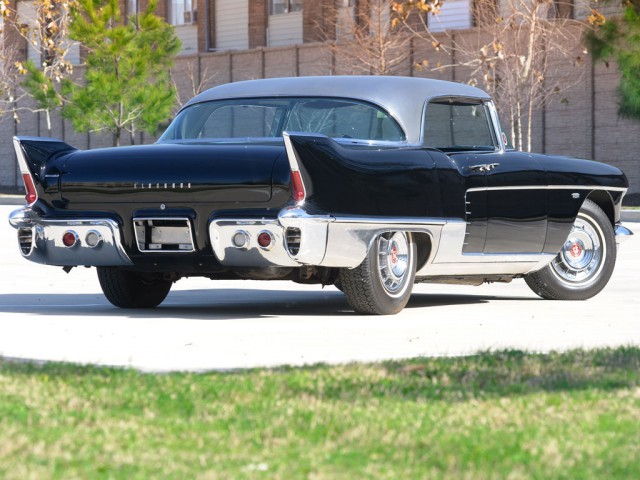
{"x":402,"y":97}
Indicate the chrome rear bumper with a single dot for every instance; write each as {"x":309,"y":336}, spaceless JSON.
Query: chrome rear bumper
{"x":622,"y":233}
{"x":40,"y":240}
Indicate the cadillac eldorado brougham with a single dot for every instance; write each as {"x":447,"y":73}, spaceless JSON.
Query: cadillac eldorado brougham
{"x":370,"y":184}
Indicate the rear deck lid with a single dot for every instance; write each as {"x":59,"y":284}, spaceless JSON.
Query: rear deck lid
{"x":193,"y":173}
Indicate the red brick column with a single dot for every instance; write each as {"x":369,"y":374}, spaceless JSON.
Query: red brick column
{"x":258,"y":23}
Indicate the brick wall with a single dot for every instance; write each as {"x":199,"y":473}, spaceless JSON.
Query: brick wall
{"x":582,"y":121}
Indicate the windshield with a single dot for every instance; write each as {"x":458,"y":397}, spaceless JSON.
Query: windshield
{"x":269,"y":117}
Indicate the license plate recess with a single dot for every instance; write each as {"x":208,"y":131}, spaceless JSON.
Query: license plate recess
{"x":172,"y":235}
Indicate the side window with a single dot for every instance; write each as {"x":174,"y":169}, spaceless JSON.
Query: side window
{"x":457,"y":125}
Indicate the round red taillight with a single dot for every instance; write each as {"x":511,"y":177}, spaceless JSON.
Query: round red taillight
{"x":265,"y":239}
{"x":69,"y":239}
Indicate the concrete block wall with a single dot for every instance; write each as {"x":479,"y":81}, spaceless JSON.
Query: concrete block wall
{"x":581,"y":122}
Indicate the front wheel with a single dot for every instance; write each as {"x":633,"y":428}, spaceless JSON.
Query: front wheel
{"x":382,"y":283}
{"x":126,"y":289}
{"x":585,"y":263}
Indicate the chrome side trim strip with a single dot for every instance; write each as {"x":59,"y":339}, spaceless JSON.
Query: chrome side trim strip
{"x":449,"y":259}
{"x":550,"y":187}
{"x":416,"y":221}
{"x":350,"y":238}
{"x":479,"y":269}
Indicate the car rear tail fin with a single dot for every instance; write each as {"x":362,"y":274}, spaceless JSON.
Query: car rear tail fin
{"x":33,"y":154}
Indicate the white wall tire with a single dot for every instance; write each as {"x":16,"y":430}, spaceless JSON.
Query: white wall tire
{"x":585,"y":263}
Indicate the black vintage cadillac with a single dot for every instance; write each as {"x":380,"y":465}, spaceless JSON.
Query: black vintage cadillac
{"x":367,"y":183}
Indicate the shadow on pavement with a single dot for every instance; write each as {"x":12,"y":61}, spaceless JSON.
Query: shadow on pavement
{"x":221,"y":304}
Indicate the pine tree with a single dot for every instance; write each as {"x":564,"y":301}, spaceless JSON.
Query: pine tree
{"x":127,"y":85}
{"x":618,"y":38}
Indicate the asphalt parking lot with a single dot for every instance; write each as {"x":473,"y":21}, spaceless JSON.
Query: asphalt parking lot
{"x":46,"y":314}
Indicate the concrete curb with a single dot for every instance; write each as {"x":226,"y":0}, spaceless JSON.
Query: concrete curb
{"x":11,"y":199}
{"x":630,"y":215}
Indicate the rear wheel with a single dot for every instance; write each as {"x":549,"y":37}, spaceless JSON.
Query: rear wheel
{"x":585,"y":263}
{"x":382,"y":283}
{"x":126,"y":289}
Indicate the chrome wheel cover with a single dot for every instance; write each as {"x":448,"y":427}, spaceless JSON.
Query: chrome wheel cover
{"x":582,"y":256}
{"x":394,"y":260}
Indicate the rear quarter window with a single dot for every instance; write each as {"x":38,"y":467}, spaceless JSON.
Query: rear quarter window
{"x":457,"y":125}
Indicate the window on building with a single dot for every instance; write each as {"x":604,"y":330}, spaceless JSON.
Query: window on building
{"x":183,"y":12}
{"x":563,"y":9}
{"x":285,"y":6}
{"x":454,"y":15}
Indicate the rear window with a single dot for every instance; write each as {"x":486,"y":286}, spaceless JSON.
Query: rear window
{"x":269,"y":117}
{"x":452,"y":124}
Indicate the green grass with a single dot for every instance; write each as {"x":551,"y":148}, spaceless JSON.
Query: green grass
{"x":494,"y":415}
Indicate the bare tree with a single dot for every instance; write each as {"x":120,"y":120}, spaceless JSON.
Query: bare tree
{"x":514,"y":55}
{"x":46,"y":29}
{"x":366,"y":41}
{"x":199,"y":81}
{"x":9,"y":74}
{"x":9,"y":78}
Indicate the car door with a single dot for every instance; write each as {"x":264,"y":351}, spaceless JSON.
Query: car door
{"x":516,"y":204}
{"x":504,"y":193}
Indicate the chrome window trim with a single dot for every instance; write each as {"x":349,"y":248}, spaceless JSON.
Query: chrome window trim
{"x":497,"y":127}
{"x":493,"y":115}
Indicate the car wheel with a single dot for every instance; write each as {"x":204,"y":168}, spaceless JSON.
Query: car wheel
{"x":585,"y":263}
{"x":126,"y":289}
{"x":382,"y":283}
